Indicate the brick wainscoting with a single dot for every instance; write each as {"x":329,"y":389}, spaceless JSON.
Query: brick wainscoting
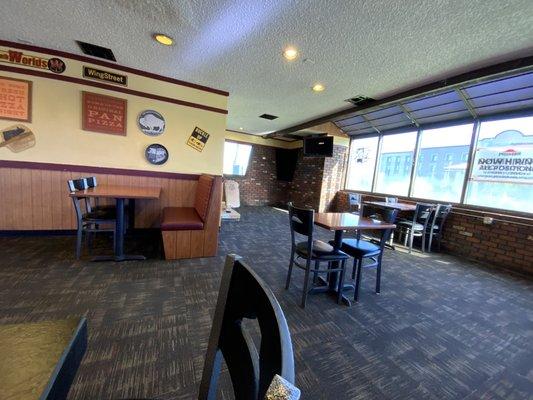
{"x":503,"y":244}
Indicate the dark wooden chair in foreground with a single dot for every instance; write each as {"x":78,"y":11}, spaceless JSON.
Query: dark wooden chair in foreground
{"x":89,"y":219}
{"x":190,"y":232}
{"x":243,"y":294}
{"x":360,"y":249}
{"x":302,"y":222}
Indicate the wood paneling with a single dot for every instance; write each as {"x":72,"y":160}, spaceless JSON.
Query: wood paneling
{"x":38,"y":199}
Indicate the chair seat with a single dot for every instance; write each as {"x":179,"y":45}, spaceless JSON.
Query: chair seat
{"x":181,"y":219}
{"x":409,"y":224}
{"x":360,"y":248}
{"x":321,"y":251}
{"x":100,"y":215}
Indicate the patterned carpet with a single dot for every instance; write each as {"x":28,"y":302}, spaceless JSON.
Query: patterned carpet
{"x":442,"y":328}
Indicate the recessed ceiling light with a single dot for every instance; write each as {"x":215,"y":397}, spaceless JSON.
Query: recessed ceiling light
{"x":290,"y":53}
{"x":318,"y":87}
{"x":164,"y":39}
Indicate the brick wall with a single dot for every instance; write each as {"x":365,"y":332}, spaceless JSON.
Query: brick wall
{"x":307,"y":183}
{"x":333,"y":177}
{"x":502,"y":244}
{"x":259,"y":186}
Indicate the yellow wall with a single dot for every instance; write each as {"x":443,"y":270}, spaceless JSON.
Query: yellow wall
{"x":57,"y":115}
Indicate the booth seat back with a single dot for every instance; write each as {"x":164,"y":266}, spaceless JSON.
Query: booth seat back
{"x":203,"y":195}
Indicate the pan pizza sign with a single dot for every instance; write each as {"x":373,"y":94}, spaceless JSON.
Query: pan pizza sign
{"x":104,"y":114}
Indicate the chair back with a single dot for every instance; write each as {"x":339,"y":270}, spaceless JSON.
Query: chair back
{"x":75,"y":185}
{"x":388,"y":215}
{"x":391,"y":200}
{"x":440,"y":215}
{"x":423,"y":213}
{"x":91,"y":181}
{"x":243,"y":294}
{"x":301,"y":221}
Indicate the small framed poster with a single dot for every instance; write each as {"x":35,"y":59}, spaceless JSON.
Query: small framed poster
{"x":104,"y":114}
{"x":156,"y":154}
{"x":198,"y":139}
{"x":15,"y":99}
{"x":151,"y":123}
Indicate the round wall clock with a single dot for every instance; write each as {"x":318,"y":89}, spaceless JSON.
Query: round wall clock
{"x":151,"y":122}
{"x":156,"y":154}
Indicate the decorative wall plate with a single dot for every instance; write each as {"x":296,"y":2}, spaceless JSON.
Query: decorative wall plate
{"x":156,"y":154}
{"x":151,"y":123}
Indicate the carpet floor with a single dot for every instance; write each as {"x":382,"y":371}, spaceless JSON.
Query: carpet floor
{"x":442,"y":327}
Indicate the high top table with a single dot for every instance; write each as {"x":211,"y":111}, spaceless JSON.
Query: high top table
{"x":339,"y":223}
{"x":39,"y":360}
{"x":120,"y":193}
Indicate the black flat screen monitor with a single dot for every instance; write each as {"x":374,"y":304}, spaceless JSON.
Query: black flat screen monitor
{"x":321,"y":146}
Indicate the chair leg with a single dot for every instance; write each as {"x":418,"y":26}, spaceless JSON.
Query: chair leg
{"x":378,"y":275}
{"x":316,"y":272}
{"x":411,"y":237}
{"x":354,"y":269}
{"x":430,"y":242}
{"x":288,"y":282}
{"x":341,"y":282}
{"x":78,"y":242}
{"x":405,"y":237}
{"x":423,"y":239}
{"x":438,"y":242}
{"x":358,"y":280}
{"x":306,"y":281}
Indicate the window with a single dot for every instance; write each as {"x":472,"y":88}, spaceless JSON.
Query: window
{"x":502,"y":171}
{"x":400,"y":146}
{"x":361,"y":164}
{"x":439,"y":180}
{"x":236,"y":157}
{"x":448,"y":157}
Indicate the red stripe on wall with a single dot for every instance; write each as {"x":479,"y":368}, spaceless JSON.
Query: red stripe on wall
{"x":80,"y":81}
{"x":111,"y":65}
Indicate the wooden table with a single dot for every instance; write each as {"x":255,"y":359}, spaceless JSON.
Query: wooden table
{"x":40,"y":360}
{"x":120,"y":194}
{"x":339,"y":223}
{"x":396,"y":206}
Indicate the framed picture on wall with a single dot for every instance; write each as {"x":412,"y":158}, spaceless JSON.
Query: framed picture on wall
{"x":104,"y":114}
{"x":15,"y":99}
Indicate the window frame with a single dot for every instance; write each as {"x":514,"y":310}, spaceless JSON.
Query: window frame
{"x":470,"y":156}
{"x":249,"y":158}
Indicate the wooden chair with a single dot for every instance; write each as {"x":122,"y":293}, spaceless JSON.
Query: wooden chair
{"x":360,"y":249}
{"x":243,"y":294}
{"x":301,"y":221}
{"x":89,"y":220}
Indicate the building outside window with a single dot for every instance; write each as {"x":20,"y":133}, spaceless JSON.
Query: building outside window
{"x":398,"y":146}
{"x":236,"y":158}
{"x":433,"y":177}
{"x":363,"y":154}
{"x":502,"y":170}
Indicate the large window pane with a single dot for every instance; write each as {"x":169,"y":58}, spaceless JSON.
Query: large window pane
{"x":502,"y":172}
{"x":361,"y":164}
{"x":441,"y":164}
{"x":395,"y":162}
{"x":236,"y":157}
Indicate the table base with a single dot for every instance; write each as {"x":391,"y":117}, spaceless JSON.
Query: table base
{"x":324,"y":287}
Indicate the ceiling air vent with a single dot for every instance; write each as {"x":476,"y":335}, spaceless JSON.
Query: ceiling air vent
{"x":360,"y":100}
{"x":268,"y":116}
{"x":96,"y":51}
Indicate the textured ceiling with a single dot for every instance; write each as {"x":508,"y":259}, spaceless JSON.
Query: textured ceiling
{"x":374,"y":48}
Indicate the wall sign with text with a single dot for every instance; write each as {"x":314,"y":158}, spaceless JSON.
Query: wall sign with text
{"x":198,"y":139}
{"x":15,"y":99}
{"x":104,"y":114}
{"x":105,"y":76}
{"x":55,"y":65}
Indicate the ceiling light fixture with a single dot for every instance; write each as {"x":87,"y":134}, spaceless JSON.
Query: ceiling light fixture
{"x":164,"y":39}
{"x":290,"y":53}
{"x":318,"y":87}
{"x":241,"y":128}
